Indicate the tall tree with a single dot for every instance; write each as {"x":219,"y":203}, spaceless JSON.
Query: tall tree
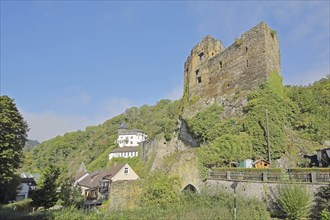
{"x":46,"y":193}
{"x":13,"y":135}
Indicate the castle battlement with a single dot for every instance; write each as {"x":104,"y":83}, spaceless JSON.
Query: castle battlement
{"x":211,"y":70}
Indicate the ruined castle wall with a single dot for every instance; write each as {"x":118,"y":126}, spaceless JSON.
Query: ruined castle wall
{"x":156,"y":150}
{"x":243,"y":66}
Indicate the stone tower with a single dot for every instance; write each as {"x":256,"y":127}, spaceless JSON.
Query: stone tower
{"x":212,"y":71}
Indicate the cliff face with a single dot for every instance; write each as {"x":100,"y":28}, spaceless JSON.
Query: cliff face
{"x":214,"y":74}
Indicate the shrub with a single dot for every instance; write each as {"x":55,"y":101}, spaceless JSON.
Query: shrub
{"x":273,"y":33}
{"x":238,"y":42}
{"x":160,"y":191}
{"x":20,"y":206}
{"x":294,"y":201}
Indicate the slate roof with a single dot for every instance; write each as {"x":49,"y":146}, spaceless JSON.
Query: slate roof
{"x":123,"y":125}
{"x":112,"y":171}
{"x":125,"y":149}
{"x":30,"y":175}
{"x":130,"y":132}
{"x":79,"y":175}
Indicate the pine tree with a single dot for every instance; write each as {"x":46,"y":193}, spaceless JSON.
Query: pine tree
{"x":46,"y":194}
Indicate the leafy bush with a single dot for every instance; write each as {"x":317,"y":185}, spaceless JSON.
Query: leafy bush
{"x":238,"y":42}
{"x":160,"y":191}
{"x":273,"y":33}
{"x":20,"y":206}
{"x":70,"y":195}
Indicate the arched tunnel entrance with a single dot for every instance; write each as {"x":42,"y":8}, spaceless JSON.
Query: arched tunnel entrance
{"x":190,"y":188}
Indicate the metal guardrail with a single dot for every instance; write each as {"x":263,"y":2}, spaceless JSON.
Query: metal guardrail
{"x":287,"y":176}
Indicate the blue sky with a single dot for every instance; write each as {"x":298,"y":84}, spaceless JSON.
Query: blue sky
{"x":70,"y":64}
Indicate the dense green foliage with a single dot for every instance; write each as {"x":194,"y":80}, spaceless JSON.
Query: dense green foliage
{"x":295,"y":115}
{"x":46,"y":195}
{"x":314,"y":104}
{"x":205,"y":124}
{"x":16,"y":210}
{"x":160,"y":191}
{"x":294,"y":201}
{"x":13,"y":135}
{"x":281,"y":113}
{"x":70,"y":195}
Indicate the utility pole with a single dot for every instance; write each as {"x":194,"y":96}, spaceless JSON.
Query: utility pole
{"x":267,"y":132}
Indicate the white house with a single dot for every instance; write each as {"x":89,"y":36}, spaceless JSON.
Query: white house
{"x":128,"y":141}
{"x":28,"y":182}
{"x":130,"y":138}
{"x":125,"y":152}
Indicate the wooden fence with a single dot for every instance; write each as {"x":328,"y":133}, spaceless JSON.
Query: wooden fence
{"x":269,"y":176}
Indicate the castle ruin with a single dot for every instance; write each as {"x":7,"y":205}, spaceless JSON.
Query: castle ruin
{"x":213,"y":71}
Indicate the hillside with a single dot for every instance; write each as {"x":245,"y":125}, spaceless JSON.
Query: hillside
{"x":93,"y":145}
{"x":298,"y":121}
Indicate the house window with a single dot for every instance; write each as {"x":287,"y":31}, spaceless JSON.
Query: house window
{"x":126,"y":170}
{"x":131,"y":137}
{"x":131,"y":142}
{"x":199,"y":79}
{"x":221,"y":64}
{"x":246,"y":49}
{"x":197,"y":71}
{"x":201,"y":56}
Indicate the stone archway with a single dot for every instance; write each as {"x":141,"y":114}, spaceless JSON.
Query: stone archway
{"x":189,"y":188}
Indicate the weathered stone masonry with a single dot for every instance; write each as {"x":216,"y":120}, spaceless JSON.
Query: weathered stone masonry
{"x":212,"y":71}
